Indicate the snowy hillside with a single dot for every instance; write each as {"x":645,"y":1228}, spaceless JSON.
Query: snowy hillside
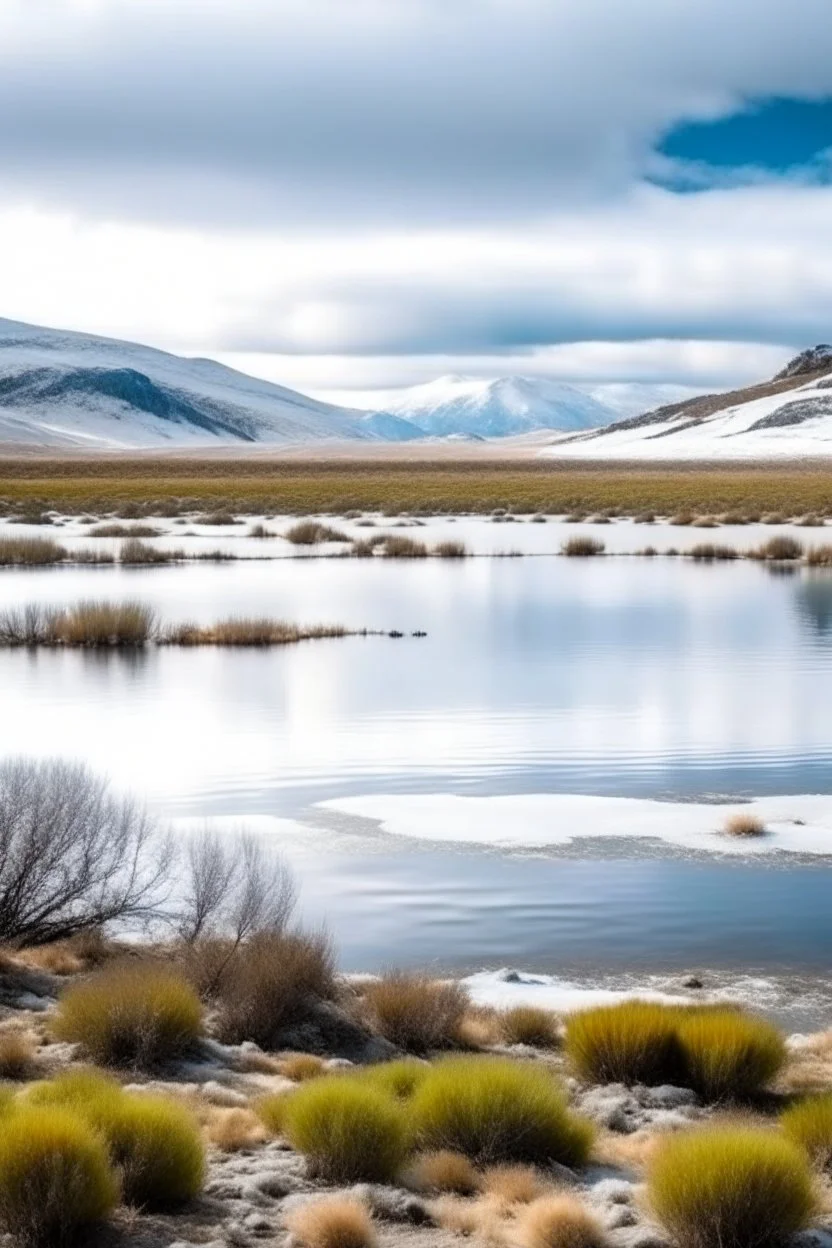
{"x":788,"y":416}
{"x":497,"y":409}
{"x":66,"y":389}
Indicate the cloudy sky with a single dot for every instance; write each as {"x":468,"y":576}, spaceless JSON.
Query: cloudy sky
{"x":349,"y":196}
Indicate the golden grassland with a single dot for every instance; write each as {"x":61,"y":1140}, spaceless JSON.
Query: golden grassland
{"x":154,"y":485}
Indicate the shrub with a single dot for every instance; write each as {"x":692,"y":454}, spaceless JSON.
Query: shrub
{"x":416,"y":1013}
{"x":634,"y":1042}
{"x":332,"y":1222}
{"x":272,"y":981}
{"x":153,"y":1143}
{"x":809,"y":1125}
{"x":744,"y":824}
{"x":55,"y":1178}
{"x":74,"y":857}
{"x":17,"y":1053}
{"x":130,"y":1016}
{"x":312,"y":533}
{"x":348,"y":1131}
{"x":558,"y":1222}
{"x":529,"y":1024}
{"x":302,"y":1066}
{"x":781,"y":548}
{"x":443,"y":1171}
{"x":582,"y":547}
{"x":730,"y":1188}
{"x":399,"y":1079}
{"x":495,"y":1110}
{"x":728,"y":1054}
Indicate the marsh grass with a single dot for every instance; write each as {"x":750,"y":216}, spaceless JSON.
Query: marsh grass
{"x":450,"y":550}
{"x":313,"y":533}
{"x":819,"y":556}
{"x":260,"y":531}
{"x":730,"y":1188}
{"x":87,"y":624}
{"x":250,"y":631}
{"x":779,"y":548}
{"x":415,"y":1012}
{"x":220,"y":519}
{"x":582,"y":547}
{"x":125,"y":530}
{"x":30,"y":552}
{"x":398,"y":547}
{"x":711,"y":552}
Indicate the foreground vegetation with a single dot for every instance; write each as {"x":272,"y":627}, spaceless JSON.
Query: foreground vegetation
{"x":138,"y":487}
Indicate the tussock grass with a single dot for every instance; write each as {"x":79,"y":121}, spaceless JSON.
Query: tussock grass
{"x":332,"y":1222}
{"x":819,"y":556}
{"x":494,"y":1110}
{"x":808,"y":1124}
{"x":711,"y":552}
{"x":730,"y":1188}
{"x":442,"y":1171}
{"x":232,"y":1130}
{"x":399,"y":547}
{"x":779,"y":549}
{"x":55,"y":1178}
{"x":512,"y":1184}
{"x":125,"y":530}
{"x":87,"y":624}
{"x":719,"y":1052}
{"x":743,"y":823}
{"x":271,"y":982}
{"x":137,"y":554}
{"x":272,"y":1110}
{"x":582,"y":547}
{"x":415,"y":1012}
{"x":153,"y":1143}
{"x":312,"y":533}
{"x":220,"y":519}
{"x":450,"y":550}
{"x":349,"y":1132}
{"x":399,"y":1078}
{"x":634,"y":1042}
{"x":302,"y":1066}
{"x":17,"y":1055}
{"x":139,"y":1016}
{"x":529,"y":1024}
{"x":705,"y":522}
{"x":260,"y":531}
{"x":30,"y":552}
{"x":560,"y":1221}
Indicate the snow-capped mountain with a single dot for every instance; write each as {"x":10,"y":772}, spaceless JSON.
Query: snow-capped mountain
{"x":497,"y":409}
{"x":791,"y":415}
{"x":59,"y":388}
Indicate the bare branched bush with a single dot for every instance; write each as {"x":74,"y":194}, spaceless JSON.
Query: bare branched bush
{"x":234,"y":886}
{"x":72,"y":855}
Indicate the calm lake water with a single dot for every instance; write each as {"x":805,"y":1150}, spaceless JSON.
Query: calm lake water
{"x":626,"y":677}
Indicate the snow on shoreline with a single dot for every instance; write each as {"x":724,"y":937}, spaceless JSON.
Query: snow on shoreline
{"x":797,"y":824}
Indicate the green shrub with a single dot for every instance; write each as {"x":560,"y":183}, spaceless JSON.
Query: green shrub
{"x":55,"y":1177}
{"x":809,"y":1125}
{"x":634,"y":1042}
{"x":348,"y":1131}
{"x":398,"y":1079}
{"x":730,"y":1188}
{"x":493,"y":1109}
{"x":415,"y":1012}
{"x":728,"y":1054}
{"x":130,"y":1016}
{"x":153,"y":1143}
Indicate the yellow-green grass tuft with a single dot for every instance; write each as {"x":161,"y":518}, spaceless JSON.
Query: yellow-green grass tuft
{"x":399,"y":1079}
{"x":730,"y":1188}
{"x":634,"y":1042}
{"x":415,"y":1012}
{"x":530,"y":1024}
{"x":130,"y":1016}
{"x":55,"y":1177}
{"x":494,"y":1109}
{"x":271,"y":1110}
{"x":809,"y":1125}
{"x":349,"y":1132}
{"x":729,"y":1055}
{"x":302,"y":1066}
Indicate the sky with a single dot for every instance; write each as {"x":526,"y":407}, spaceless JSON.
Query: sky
{"x":352,"y":196}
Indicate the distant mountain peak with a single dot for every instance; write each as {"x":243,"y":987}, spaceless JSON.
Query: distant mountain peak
{"x":811,"y":360}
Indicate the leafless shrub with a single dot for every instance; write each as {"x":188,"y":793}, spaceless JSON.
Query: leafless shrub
{"x":415,"y":1012}
{"x":234,"y":887}
{"x":72,"y":856}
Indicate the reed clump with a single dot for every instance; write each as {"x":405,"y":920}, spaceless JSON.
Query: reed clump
{"x":125,"y":530}
{"x":712,"y":552}
{"x":399,"y":547}
{"x":582,"y":547}
{"x":87,"y":624}
{"x":313,"y":533}
{"x":249,"y":631}
{"x":21,"y":552}
{"x":779,"y":548}
{"x":450,"y":550}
